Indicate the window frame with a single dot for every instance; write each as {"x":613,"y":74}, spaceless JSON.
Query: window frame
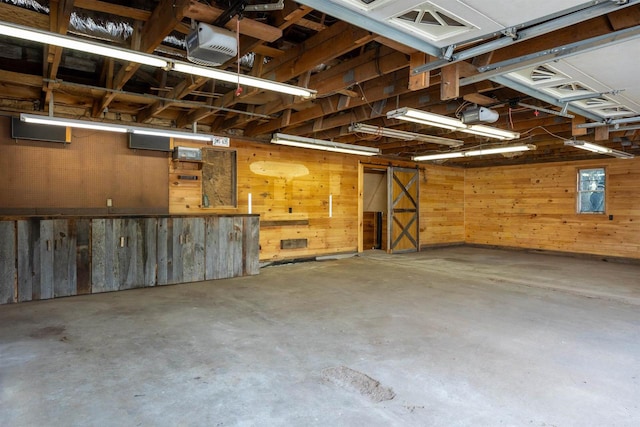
{"x":581,"y":194}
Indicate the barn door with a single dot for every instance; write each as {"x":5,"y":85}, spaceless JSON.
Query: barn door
{"x":403,"y":210}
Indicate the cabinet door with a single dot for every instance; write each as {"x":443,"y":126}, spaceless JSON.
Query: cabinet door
{"x":181,"y":250}
{"x":224,"y":247}
{"x":8,"y":273}
{"x":35,"y":259}
{"x":123,"y":253}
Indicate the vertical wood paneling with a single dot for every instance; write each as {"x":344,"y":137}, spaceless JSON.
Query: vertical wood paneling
{"x":164,"y":250}
{"x":64,"y":265}
{"x":8,"y":273}
{"x":177,"y":240}
{"x":148,"y":249}
{"x":251,"y":246}
{"x":442,"y":193}
{"x":83,"y":267}
{"x":534,"y":206}
{"x":26,"y":268}
{"x":44,"y":250}
{"x":212,"y":249}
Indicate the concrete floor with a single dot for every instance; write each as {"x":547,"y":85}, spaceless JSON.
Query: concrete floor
{"x":457,"y":336}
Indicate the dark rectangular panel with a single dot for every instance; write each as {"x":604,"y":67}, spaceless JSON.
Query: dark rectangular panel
{"x":149,"y":142}
{"x":38,"y":132}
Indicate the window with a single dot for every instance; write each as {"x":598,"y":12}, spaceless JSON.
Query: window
{"x":591,"y":190}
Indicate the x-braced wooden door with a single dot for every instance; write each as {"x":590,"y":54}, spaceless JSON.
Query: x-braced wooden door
{"x":403,"y":219}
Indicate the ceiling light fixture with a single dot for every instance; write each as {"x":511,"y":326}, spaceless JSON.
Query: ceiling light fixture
{"x":400,"y":134}
{"x":31,"y":34}
{"x":599,"y":149}
{"x":230,"y":77}
{"x":112,"y":127}
{"x":26,"y":33}
{"x":55,"y":121}
{"x":431,"y":119}
{"x":473,"y":153}
{"x":319,"y":144}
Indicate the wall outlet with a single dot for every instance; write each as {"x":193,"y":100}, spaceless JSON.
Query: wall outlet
{"x":109,"y":203}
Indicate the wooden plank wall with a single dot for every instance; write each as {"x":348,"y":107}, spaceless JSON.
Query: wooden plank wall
{"x":442,"y":206}
{"x":534,"y":206}
{"x":290,"y":189}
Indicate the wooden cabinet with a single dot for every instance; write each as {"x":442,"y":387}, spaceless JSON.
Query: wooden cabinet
{"x":123,"y":253}
{"x":181,"y":243}
{"x":47,"y":258}
{"x":46,"y":251}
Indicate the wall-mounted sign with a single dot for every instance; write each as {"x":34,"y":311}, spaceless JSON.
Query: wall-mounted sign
{"x":220,"y":141}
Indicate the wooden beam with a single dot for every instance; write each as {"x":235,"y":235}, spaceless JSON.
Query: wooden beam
{"x":165,"y":17}
{"x":575,"y":130}
{"x":421,"y":80}
{"x":602,"y":133}
{"x":450,"y":85}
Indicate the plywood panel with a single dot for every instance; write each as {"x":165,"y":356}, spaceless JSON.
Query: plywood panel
{"x":534,"y":206}
{"x":81,"y":175}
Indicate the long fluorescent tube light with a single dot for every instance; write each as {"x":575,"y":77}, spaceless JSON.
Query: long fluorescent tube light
{"x":109,"y":127}
{"x":599,"y":149}
{"x":498,"y":150}
{"x":400,"y":134}
{"x":31,"y":34}
{"x":431,"y":119}
{"x":424,"y":117}
{"x":230,"y":77}
{"x":173,"y":134}
{"x":40,"y":36}
{"x":54,"y":121}
{"x":319,"y":144}
{"x":472,"y":153}
{"x":440,"y":156}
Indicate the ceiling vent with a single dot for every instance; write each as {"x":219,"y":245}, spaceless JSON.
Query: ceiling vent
{"x":614,"y":111}
{"x":432,"y":22}
{"x":541,"y":75}
{"x":211,"y":46}
{"x":566,"y":90}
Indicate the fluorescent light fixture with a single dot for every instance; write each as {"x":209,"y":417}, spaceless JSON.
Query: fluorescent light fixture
{"x":54,"y":121}
{"x":109,"y":127}
{"x":499,"y":150}
{"x":230,"y":77}
{"x":599,"y":149}
{"x":45,"y":37}
{"x":472,"y":153}
{"x":440,"y":156}
{"x":31,"y":34}
{"x":424,"y":117}
{"x":173,"y":134}
{"x":491,"y":132}
{"x":319,"y":144}
{"x":431,"y":119}
{"x":400,"y":134}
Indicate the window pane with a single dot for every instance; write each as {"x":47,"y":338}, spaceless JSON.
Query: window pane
{"x":591,"y":190}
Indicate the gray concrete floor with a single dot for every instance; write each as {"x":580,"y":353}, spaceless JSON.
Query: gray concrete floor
{"x":461,"y":336}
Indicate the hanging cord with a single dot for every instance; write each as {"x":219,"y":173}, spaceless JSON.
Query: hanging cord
{"x":239,"y":88}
